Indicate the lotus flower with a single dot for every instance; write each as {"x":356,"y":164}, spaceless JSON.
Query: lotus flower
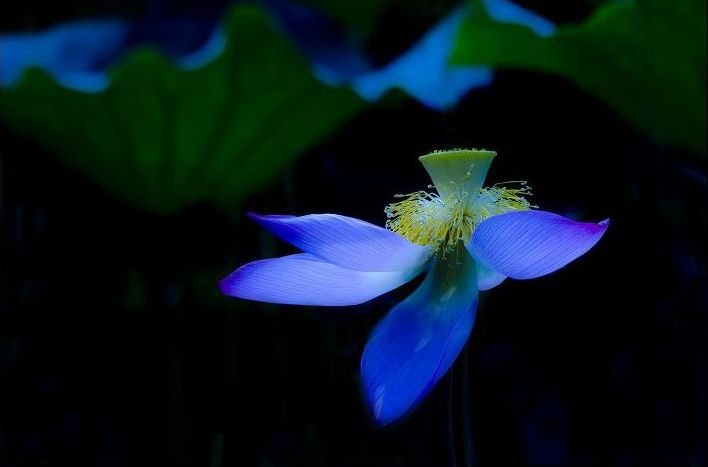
{"x":468,"y":238}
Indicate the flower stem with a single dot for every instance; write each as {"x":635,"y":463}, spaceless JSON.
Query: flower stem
{"x":467,"y":436}
{"x":451,"y":417}
{"x":460,"y":427}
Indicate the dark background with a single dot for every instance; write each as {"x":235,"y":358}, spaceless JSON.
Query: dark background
{"x":116,"y":347}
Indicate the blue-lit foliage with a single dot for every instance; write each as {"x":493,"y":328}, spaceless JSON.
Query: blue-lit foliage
{"x":164,"y":136}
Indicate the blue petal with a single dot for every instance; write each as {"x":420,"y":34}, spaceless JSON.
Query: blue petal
{"x":528,"y":244}
{"x":304,"y":279}
{"x":416,"y":343}
{"x":347,"y":242}
{"x":488,"y":278}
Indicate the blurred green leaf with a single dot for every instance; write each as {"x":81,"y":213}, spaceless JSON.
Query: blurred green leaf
{"x":646,"y":59}
{"x":164,"y":138}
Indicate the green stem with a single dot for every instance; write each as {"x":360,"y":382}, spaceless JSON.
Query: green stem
{"x":462,"y":447}
{"x":469,"y":450}
{"x":451,"y":418}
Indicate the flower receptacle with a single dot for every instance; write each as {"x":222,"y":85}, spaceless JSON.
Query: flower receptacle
{"x":458,"y":172}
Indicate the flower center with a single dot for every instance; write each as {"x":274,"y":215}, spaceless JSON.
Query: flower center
{"x":443,"y":222}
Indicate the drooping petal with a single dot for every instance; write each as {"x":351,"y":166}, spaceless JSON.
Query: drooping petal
{"x":488,"y":278}
{"x":347,"y":242}
{"x":416,"y":343}
{"x":528,"y":244}
{"x":304,"y":279}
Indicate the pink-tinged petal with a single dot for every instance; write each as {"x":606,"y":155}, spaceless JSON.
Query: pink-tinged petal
{"x":528,"y":244}
{"x":488,"y":278}
{"x":347,"y":242}
{"x":417,"y":342}
{"x":304,"y":279}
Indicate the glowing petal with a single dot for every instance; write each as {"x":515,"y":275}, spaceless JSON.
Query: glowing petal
{"x":416,"y":343}
{"x":347,"y":242}
{"x":528,"y":244}
{"x":304,"y":279}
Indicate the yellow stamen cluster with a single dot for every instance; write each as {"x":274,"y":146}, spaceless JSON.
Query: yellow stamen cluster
{"x":499,"y":199}
{"x":429,"y":219}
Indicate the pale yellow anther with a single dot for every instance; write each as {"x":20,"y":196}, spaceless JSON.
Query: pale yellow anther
{"x":427,"y":219}
{"x":445,"y":222}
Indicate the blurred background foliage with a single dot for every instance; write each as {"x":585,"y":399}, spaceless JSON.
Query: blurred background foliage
{"x":134,"y":134}
{"x":166,"y":133}
{"x":164,"y":137}
{"x":646,"y":59}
